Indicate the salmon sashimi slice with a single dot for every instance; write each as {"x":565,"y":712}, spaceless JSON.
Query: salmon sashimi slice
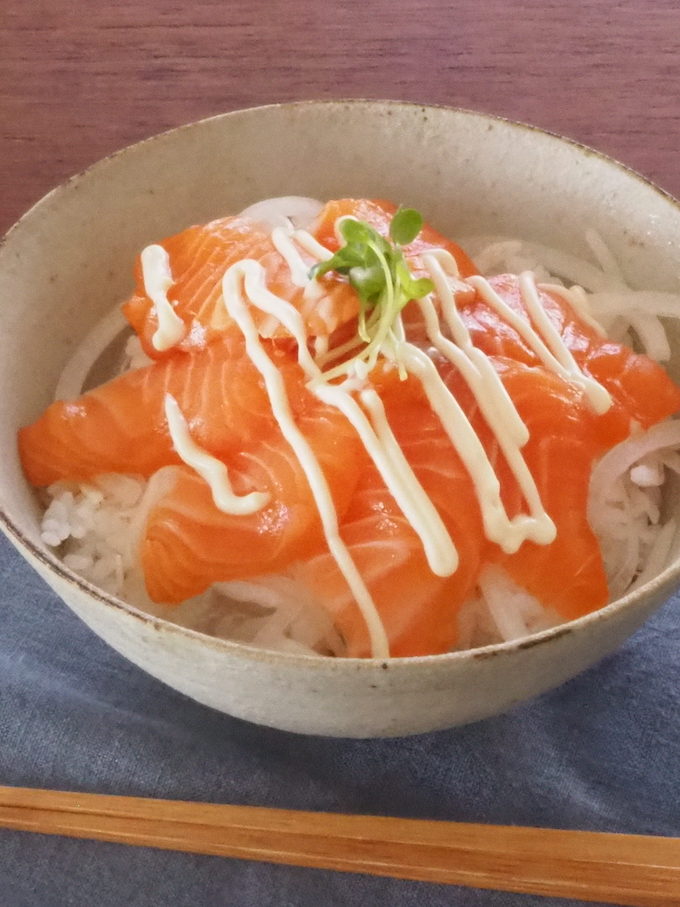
{"x":188,"y":543}
{"x":198,"y":259}
{"x":418,"y":609}
{"x":200,"y":256}
{"x":379,"y":213}
{"x":640,"y":388}
{"x":121,"y":426}
{"x":567,"y":575}
{"x":564,"y":442}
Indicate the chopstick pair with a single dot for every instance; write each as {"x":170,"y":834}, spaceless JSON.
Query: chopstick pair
{"x":635,"y":870}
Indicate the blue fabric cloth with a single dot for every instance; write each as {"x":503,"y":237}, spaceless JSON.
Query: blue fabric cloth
{"x":602,"y":753}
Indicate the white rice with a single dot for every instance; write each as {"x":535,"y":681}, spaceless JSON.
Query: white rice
{"x":95,"y":526}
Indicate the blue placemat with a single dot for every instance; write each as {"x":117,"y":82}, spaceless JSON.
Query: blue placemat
{"x":601,"y":753}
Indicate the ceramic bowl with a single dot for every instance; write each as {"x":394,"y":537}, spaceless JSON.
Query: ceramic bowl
{"x":69,"y":260}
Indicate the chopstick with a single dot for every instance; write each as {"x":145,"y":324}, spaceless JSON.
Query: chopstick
{"x":635,"y":870}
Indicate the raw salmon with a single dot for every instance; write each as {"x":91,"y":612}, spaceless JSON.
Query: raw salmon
{"x":379,"y":213}
{"x":199,"y":257}
{"x":188,"y":543}
{"x":121,"y":426}
{"x":564,"y":443}
{"x":418,"y":609}
{"x":640,"y":387}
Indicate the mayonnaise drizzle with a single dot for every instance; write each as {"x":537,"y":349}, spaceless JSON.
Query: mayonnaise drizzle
{"x":157,"y":279}
{"x":311,"y":245}
{"x":509,"y":534}
{"x":396,"y":471}
{"x":475,"y":366}
{"x":500,"y":413}
{"x":245,"y":282}
{"x":550,"y":348}
{"x":381,"y":446}
{"x":208,"y":467}
{"x":238,"y":309}
{"x":285,"y":241}
{"x":576,"y":297}
{"x":299,"y":271}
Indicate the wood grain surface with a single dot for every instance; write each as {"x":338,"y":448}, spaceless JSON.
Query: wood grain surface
{"x":80,"y":78}
{"x":623,"y":870}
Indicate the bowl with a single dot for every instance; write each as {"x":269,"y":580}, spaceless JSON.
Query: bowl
{"x":69,"y":260}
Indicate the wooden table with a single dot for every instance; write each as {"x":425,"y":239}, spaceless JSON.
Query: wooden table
{"x":79,"y":80}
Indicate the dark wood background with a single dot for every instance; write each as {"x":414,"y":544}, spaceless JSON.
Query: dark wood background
{"x":81,"y":79}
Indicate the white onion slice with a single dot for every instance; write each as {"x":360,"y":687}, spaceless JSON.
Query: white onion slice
{"x":490,"y":254}
{"x":504,"y":601}
{"x":160,"y":484}
{"x":657,"y":556}
{"x":604,"y":257}
{"x":284,"y":211}
{"x":72,"y":379}
{"x":648,"y":302}
{"x":619,"y":460}
{"x":624,"y":516}
{"x":652,"y":335}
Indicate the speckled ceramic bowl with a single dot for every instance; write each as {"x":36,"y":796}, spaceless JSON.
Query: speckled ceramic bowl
{"x":69,"y":260}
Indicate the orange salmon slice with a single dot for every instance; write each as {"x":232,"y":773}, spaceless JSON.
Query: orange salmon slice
{"x":640,"y":388}
{"x":419,"y":610}
{"x":200,"y":256}
{"x":121,"y":426}
{"x":188,"y":543}
{"x":379,"y":213}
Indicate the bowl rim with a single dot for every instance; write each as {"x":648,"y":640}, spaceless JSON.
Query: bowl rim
{"x":588,"y":150}
{"x":313,"y":662}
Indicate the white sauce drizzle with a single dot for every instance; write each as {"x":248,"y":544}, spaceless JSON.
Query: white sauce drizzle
{"x":576,"y":297}
{"x":285,"y":241}
{"x":248,"y":279}
{"x":551,"y":348}
{"x":397,"y":474}
{"x":273,"y":379}
{"x":509,"y":534}
{"x":299,"y":271}
{"x":306,"y":241}
{"x":475,"y":366}
{"x":394,"y":469}
{"x":500,"y":413}
{"x":208,"y":467}
{"x":157,"y":278}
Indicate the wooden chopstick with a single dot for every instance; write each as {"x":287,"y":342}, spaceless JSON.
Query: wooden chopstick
{"x":636,"y":870}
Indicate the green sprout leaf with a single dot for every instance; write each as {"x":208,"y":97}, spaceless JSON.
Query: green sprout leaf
{"x":405,"y":226}
{"x":368,"y":281}
{"x":356,"y":231}
{"x":378,"y":271}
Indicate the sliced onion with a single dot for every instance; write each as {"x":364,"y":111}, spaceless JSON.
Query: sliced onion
{"x":74,"y":375}
{"x":657,"y":557}
{"x":652,"y":336}
{"x":605,"y":258}
{"x":284,"y":211}
{"x":619,"y":460}
{"x":560,"y":264}
{"x":504,"y":600}
{"x":647,"y":302}
{"x":160,"y":484}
